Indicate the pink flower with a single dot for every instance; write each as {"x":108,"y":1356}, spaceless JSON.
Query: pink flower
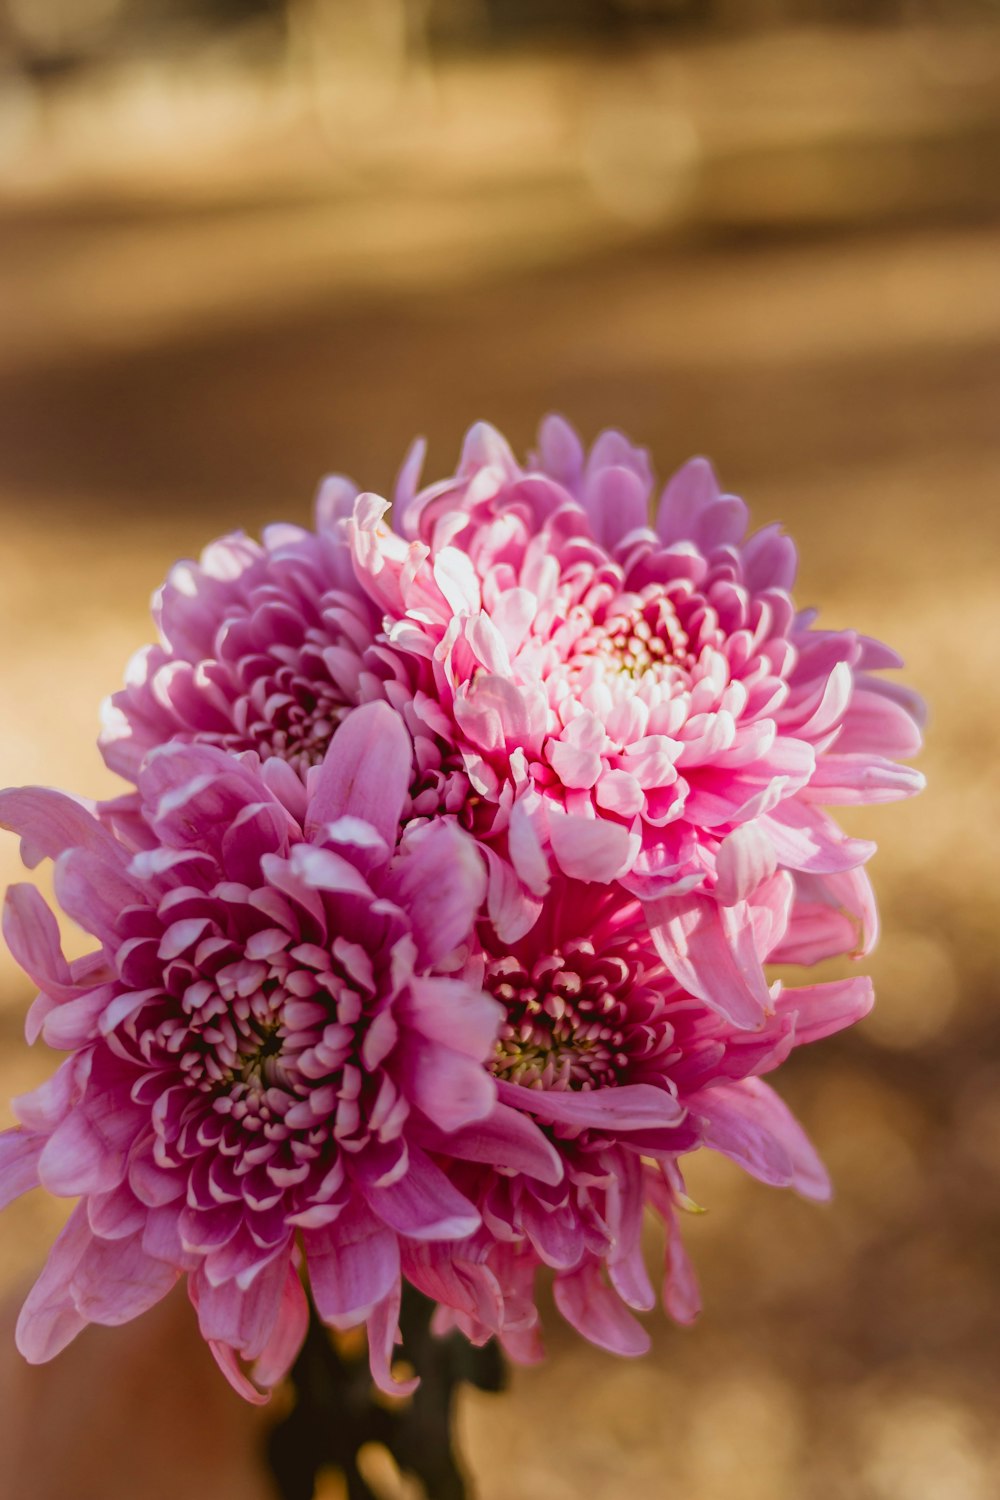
{"x":625,"y":1072}
{"x":260,"y":647}
{"x":274,"y":1046}
{"x":621,"y":702}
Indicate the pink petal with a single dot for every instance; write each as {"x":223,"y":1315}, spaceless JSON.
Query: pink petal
{"x":51,"y":822}
{"x":691,"y":491}
{"x":407,"y":483}
{"x":48,"y":1320}
{"x":19,"y":1153}
{"x":616,"y":501}
{"x":505,"y":1138}
{"x":821,"y":1010}
{"x":116,"y":1281}
{"x":711,"y":952}
{"x":589,"y":848}
{"x":440,"y":880}
{"x":630,"y":1106}
{"x":334,"y":501}
{"x":744,"y":860}
{"x":353,"y":1265}
{"x":806,"y":839}
{"x":595,"y":1311}
{"x":560,"y":452}
{"x":861,"y":778}
{"x":366,"y":773}
{"x":882,"y":718}
{"x":423,"y":1204}
{"x":290,"y":1328}
{"x":32,"y":934}
{"x":383,"y":1332}
{"x":747,"y":1122}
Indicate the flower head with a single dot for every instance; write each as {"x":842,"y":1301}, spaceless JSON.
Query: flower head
{"x":626,"y":1072}
{"x":260,"y":647}
{"x":633,"y":702}
{"x":272,"y":1050}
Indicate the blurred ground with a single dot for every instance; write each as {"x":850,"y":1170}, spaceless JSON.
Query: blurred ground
{"x":813,"y":300}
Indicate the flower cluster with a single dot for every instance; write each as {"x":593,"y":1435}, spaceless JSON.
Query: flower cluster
{"x":432,"y":933}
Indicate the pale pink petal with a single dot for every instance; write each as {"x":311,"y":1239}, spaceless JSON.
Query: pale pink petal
{"x":32,"y":934}
{"x":589,"y":848}
{"x":745,"y":859}
{"x":19,"y":1153}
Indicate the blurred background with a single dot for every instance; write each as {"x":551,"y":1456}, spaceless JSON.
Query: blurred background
{"x":243,"y":242}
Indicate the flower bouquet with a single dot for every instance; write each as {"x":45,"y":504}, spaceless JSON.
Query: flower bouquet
{"x":432,"y":931}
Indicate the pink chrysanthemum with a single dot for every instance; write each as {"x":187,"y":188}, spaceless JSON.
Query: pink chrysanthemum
{"x":626,"y":702}
{"x":626,"y":1072}
{"x":270,"y":1051}
{"x":260,"y":647}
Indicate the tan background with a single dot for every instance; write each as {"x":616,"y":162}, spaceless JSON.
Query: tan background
{"x":229,"y":264}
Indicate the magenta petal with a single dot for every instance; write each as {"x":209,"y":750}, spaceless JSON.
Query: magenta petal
{"x":630,"y":1279}
{"x":595,"y":1311}
{"x":422,"y":1204}
{"x":116,"y":1215}
{"x":383,"y":1333}
{"x":450,"y":1089}
{"x":242,"y":1317}
{"x":94,"y":892}
{"x":507,"y":1139}
{"x":456,"y":1278}
{"x":353,"y":1265}
{"x":457,"y":1015}
{"x":681,"y":1297}
{"x":282,"y":1348}
{"x":228,"y":1362}
{"x":366,"y":773}
{"x":631,"y":1106}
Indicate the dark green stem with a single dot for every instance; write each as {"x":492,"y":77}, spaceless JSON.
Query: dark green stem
{"x":336,"y":1411}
